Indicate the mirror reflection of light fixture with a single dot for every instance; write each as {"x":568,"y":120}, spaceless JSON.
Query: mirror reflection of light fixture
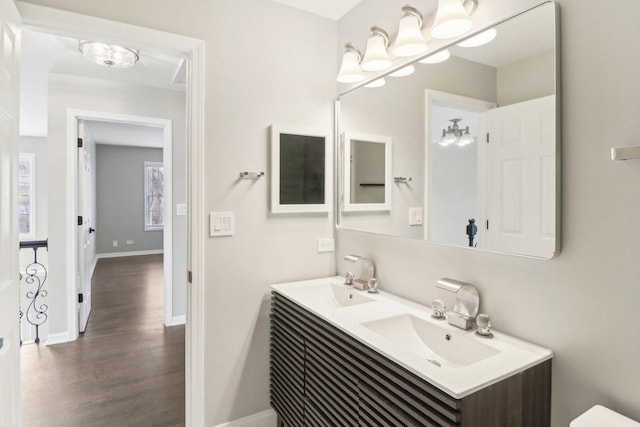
{"x":404,"y":71}
{"x":410,"y":41}
{"x":376,"y":57}
{"x":376,"y":83}
{"x":454,"y":135}
{"x":452,"y":19}
{"x":109,"y":55}
{"x":480,"y":39}
{"x":436,"y":58}
{"x":350,"y":71}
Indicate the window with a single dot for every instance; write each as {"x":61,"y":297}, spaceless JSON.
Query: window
{"x":153,"y":196}
{"x":26,"y":192}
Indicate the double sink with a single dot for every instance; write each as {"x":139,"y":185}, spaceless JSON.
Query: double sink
{"x":457,"y":361}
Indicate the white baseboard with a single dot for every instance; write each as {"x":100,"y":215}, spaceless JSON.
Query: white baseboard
{"x":177,"y":320}
{"x":266,"y":418}
{"x":59,"y":338}
{"x":93,"y":267}
{"x":133,"y":253}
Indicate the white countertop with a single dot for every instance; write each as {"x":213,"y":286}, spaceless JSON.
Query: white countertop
{"x":512,"y":356}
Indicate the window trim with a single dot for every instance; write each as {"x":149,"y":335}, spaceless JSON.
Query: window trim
{"x":32,"y":192}
{"x":147,"y":226}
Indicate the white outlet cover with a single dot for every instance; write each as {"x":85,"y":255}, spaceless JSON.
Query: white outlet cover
{"x":326,"y":245}
{"x":415,"y":216}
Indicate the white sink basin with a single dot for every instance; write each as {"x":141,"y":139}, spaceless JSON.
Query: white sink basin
{"x":330,"y":296}
{"x":404,"y":332}
{"x":441,"y":346}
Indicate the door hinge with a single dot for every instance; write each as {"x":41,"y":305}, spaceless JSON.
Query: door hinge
{"x":79,"y":142}
{"x":487,"y":137}
{"x":189,"y":276}
{"x":80,"y":298}
{"x":80,"y":221}
{"x":487,"y":224}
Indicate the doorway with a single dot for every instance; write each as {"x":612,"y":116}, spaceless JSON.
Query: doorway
{"x":48,"y":20}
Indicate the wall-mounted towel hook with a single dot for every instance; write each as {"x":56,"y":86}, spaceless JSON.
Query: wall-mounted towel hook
{"x":625,"y":153}
{"x":402,"y":179}
{"x":251,"y":175}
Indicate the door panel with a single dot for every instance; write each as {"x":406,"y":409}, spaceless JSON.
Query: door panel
{"x":9,"y":304}
{"x":520,"y":178}
{"x":84,"y":232}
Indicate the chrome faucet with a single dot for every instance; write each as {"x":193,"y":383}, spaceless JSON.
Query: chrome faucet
{"x":364,"y":272}
{"x":466,"y":304}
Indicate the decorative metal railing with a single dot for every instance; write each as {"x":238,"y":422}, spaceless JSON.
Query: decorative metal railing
{"x":35,"y":276}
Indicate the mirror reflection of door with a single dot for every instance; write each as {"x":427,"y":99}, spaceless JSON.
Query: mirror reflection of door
{"x":367,"y":172}
{"x":302,"y":160}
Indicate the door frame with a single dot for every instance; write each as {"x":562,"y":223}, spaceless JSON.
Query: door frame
{"x":63,"y":23}
{"x":73,"y":116}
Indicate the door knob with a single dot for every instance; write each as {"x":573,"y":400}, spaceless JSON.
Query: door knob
{"x":92,"y":230}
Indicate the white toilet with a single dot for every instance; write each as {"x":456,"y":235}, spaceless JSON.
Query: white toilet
{"x":599,"y":416}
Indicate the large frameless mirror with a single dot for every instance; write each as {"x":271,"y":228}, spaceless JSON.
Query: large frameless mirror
{"x":475,"y":142}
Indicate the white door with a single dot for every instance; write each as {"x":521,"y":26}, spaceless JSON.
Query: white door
{"x":9,"y":323}
{"x":85,"y":231}
{"x":520,"y":189}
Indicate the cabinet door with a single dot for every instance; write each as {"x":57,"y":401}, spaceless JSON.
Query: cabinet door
{"x":287,"y":371}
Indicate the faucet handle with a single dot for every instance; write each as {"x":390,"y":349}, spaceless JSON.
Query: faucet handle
{"x":348,"y":278}
{"x":484,"y":324}
{"x":373,"y":286}
{"x":438,"y":308}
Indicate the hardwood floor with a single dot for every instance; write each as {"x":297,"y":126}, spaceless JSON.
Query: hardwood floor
{"x":127,"y":369}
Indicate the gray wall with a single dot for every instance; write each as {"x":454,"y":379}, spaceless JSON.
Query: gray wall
{"x":513,"y":87}
{"x":584,"y":303}
{"x":120,"y":199}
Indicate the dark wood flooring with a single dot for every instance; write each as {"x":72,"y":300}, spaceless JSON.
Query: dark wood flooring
{"x":127,"y":369}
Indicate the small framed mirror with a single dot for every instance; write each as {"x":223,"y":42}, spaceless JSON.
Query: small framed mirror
{"x":367,"y":172}
{"x":300,"y":170}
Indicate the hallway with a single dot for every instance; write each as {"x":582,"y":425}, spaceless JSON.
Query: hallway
{"x":127,"y":369}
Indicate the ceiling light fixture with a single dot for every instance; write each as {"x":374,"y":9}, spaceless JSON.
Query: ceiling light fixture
{"x":452,"y":18}
{"x":350,"y":71}
{"x":107,"y":55}
{"x":479,"y":39}
{"x":410,"y":41}
{"x":436,"y":58}
{"x":376,"y":57}
{"x":455,"y":135}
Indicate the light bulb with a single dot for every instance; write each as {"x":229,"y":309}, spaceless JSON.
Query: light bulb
{"x":376,"y":57}
{"x":405,"y":71}
{"x":350,"y":71}
{"x":452,"y":20}
{"x":479,"y":39}
{"x":465,"y":139}
{"x":410,"y":41}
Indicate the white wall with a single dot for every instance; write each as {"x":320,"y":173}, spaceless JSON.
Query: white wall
{"x":513,"y":87}
{"x":582,"y":304}
{"x":94,"y":95}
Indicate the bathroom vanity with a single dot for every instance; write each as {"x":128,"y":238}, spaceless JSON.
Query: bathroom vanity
{"x":340,"y":356}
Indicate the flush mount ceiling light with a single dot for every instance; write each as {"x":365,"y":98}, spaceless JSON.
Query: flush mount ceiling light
{"x":452,"y":18}
{"x":376,"y":57}
{"x":109,"y":55}
{"x":455,"y":135}
{"x":404,"y":71}
{"x":376,"y":83}
{"x":410,"y":41}
{"x":479,"y":39}
{"x":436,"y":58}
{"x":350,"y":71}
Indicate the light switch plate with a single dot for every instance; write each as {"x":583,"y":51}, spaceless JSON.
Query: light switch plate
{"x":221,"y":224}
{"x":415,"y":216}
{"x":181,"y":209}
{"x":326,"y":245}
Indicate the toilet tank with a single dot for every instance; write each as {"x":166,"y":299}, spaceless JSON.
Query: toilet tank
{"x":599,"y":416}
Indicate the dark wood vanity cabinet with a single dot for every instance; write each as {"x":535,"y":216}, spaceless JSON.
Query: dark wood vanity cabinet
{"x":321,"y":376}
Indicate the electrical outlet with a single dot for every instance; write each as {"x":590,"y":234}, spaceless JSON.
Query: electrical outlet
{"x":129,"y":242}
{"x":115,"y":243}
